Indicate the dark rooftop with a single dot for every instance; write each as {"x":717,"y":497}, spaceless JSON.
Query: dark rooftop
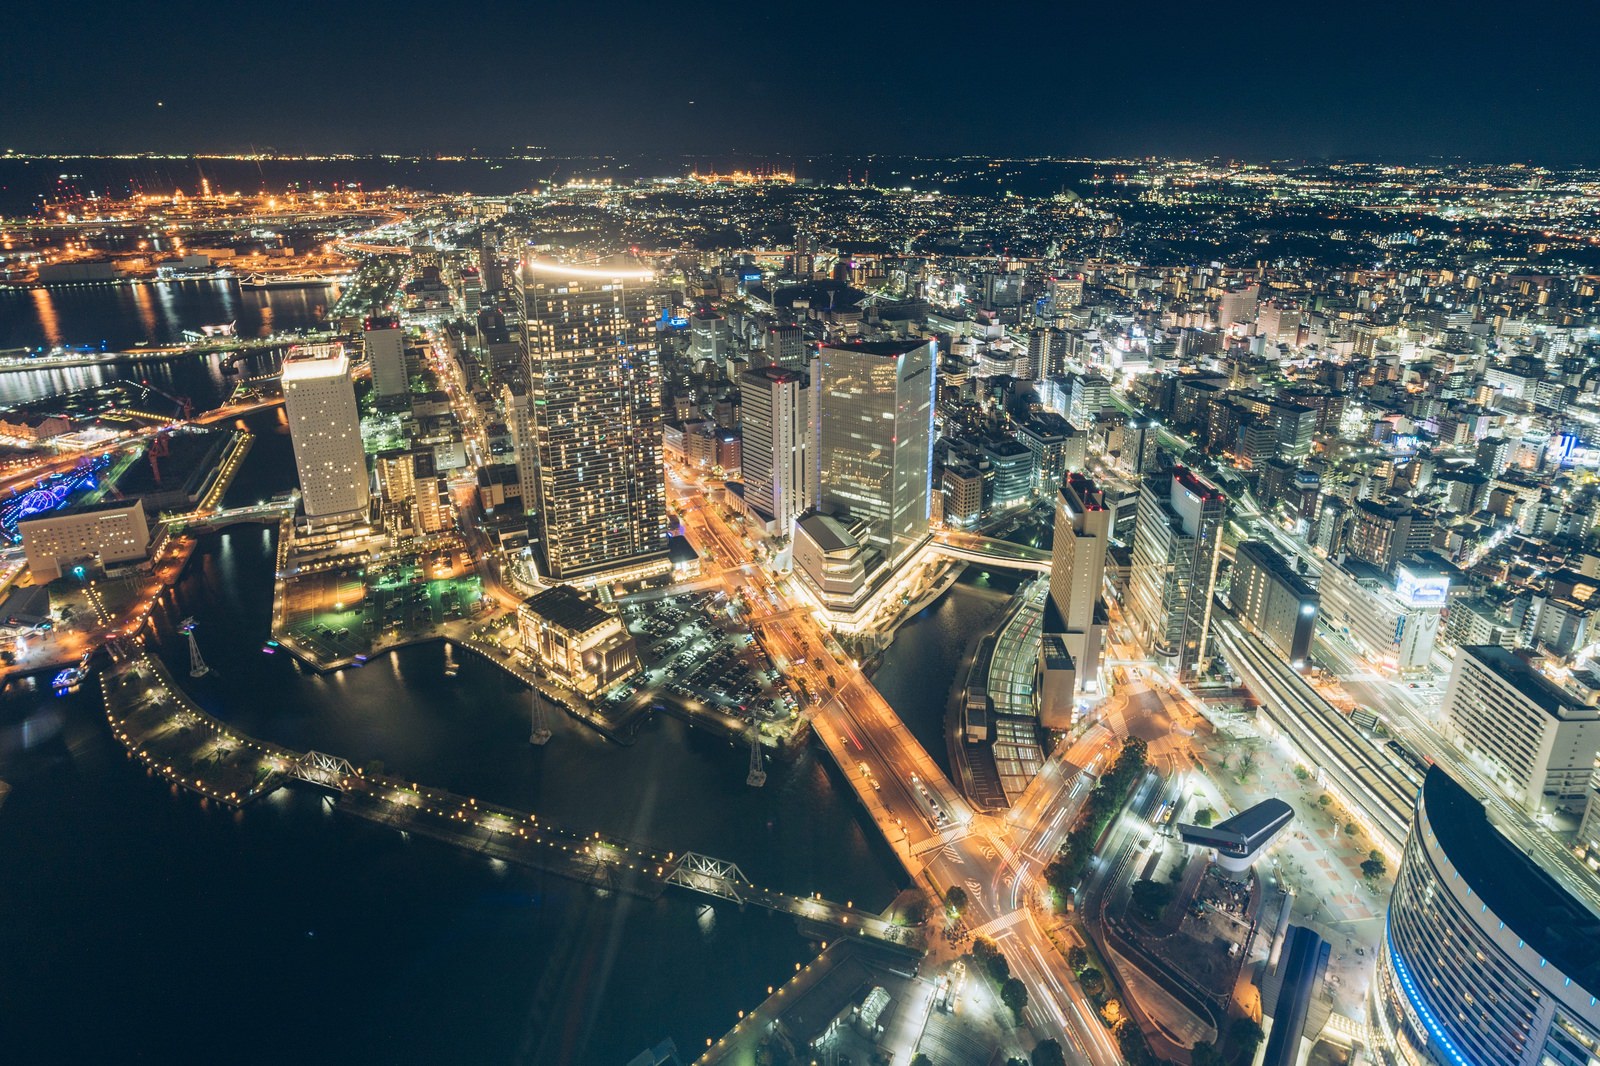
{"x":888,"y":349}
{"x":566,"y":607}
{"x":773,"y":373}
{"x":1265,"y":817}
{"x":1511,"y":884}
{"x":83,"y":508}
{"x":1522,"y":676}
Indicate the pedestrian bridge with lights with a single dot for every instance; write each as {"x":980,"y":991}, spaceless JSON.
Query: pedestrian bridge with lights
{"x":608,"y":863}
{"x":160,"y":724}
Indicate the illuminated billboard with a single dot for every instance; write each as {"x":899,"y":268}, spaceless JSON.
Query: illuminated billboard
{"x":1420,"y":588}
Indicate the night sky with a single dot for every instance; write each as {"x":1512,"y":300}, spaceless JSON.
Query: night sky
{"x":1400,"y":80}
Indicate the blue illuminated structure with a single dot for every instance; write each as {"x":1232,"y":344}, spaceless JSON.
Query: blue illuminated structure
{"x":50,"y":493}
{"x":1418,"y":1004}
{"x":1490,"y":956}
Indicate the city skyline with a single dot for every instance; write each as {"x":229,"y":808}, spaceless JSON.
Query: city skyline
{"x":962,"y":610}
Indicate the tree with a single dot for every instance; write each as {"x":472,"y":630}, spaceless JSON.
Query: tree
{"x":1048,"y":1053}
{"x":1077,"y":958}
{"x":1092,"y":981}
{"x":988,"y":956}
{"x":1135,"y":753}
{"x":1374,"y":867}
{"x":1150,"y":898}
{"x":984,"y":950}
{"x":956,"y":899}
{"x":1204,"y":817}
{"x":1131,"y":1042}
{"x":1350,"y":829}
{"x":1206,"y":1054}
{"x":1324,"y":801}
{"x":1245,"y":1033}
{"x":1014,"y":994}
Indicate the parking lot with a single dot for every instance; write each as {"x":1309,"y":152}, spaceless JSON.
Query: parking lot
{"x":694,"y":650}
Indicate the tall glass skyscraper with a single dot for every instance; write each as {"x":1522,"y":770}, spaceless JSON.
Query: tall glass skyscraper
{"x":874,"y":411}
{"x":594,"y":400}
{"x":1176,"y":548}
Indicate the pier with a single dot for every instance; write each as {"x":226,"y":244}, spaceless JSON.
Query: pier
{"x":166,"y":730}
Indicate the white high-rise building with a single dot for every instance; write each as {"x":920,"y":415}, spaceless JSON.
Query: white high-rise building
{"x":320,"y":401}
{"x":1075,"y":615}
{"x":779,"y":476}
{"x":1536,"y":739}
{"x":385,"y":345}
{"x":519,"y":420}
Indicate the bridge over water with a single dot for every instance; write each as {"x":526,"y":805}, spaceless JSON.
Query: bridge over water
{"x":608,"y":862}
{"x":164,"y":728}
{"x":21,"y":360}
{"x":206,"y":521}
{"x":991,"y":551}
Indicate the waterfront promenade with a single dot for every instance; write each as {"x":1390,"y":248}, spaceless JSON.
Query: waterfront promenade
{"x":21,"y":360}
{"x":176,"y":740}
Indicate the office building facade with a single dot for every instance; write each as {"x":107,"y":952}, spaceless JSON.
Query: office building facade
{"x":1391,"y":622}
{"x":599,"y":503}
{"x":1075,"y":611}
{"x":319,"y":400}
{"x":1176,"y":549}
{"x":1536,"y":740}
{"x":874,"y":409}
{"x":567,"y":633}
{"x":1487,"y":959}
{"x":1273,"y":601}
{"x":95,"y":537}
{"x":779,"y":476}
{"x":384,"y":344}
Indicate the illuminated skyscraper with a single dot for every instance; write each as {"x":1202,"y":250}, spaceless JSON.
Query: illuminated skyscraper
{"x":874,"y":404}
{"x":319,"y":400}
{"x":594,"y":418}
{"x":1076,"y":610}
{"x":777,"y":448}
{"x":1176,"y":548}
{"x":385,"y":345}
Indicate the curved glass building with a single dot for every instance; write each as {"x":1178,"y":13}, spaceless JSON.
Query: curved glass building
{"x":1487,"y":960}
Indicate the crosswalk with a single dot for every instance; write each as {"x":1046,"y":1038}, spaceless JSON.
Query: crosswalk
{"x":993,"y":928}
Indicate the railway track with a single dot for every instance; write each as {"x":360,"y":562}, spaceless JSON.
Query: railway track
{"x":1364,"y":776}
